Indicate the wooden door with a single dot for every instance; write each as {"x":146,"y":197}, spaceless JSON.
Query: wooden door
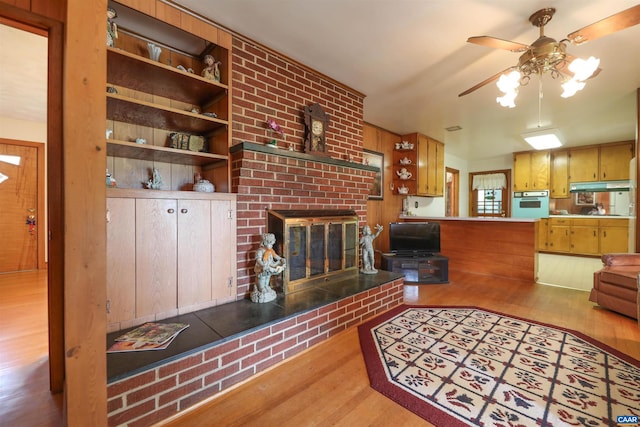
{"x":585,"y":239}
{"x":194,"y":253}
{"x":223,"y":237}
{"x":121,"y":262}
{"x":559,"y":239}
{"x":614,"y":236}
{"x":156,"y":256}
{"x":19,"y":201}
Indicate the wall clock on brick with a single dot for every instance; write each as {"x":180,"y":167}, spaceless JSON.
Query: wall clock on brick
{"x":316,"y":122}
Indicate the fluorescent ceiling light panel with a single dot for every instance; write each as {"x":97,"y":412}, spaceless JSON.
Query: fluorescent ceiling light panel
{"x":543,"y":139}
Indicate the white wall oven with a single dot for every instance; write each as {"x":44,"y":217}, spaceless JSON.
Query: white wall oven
{"x":530,"y":204}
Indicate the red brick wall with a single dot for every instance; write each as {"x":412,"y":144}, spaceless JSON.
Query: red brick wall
{"x":267,"y":86}
{"x":159,"y":393}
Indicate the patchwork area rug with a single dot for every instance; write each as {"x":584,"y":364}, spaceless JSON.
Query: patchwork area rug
{"x":465,"y":366}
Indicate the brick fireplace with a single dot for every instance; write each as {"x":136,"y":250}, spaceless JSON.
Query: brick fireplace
{"x":266,"y":178}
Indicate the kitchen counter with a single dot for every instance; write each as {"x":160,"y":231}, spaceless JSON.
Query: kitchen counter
{"x":458,"y":218}
{"x":503,"y":247}
{"x":593,"y":216}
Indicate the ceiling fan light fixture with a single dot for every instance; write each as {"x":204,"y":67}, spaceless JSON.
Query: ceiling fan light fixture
{"x":583,"y":69}
{"x":570,"y":87}
{"x":508,"y":99}
{"x":543,"y":139}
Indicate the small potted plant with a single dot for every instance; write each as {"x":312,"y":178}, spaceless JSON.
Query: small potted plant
{"x":274,"y":128}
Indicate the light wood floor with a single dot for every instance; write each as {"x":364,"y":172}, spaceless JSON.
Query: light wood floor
{"x":328,"y":384}
{"x":25,"y":399}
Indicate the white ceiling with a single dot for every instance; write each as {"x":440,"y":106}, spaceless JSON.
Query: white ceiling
{"x":411,"y":60}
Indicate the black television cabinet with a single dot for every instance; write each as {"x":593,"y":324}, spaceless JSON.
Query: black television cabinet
{"x":418,"y":270}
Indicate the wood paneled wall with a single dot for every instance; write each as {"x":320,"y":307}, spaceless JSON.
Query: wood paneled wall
{"x":387,"y":210}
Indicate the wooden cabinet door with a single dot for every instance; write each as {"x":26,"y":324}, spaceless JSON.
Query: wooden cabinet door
{"x":560,"y":174}
{"x":583,"y":164}
{"x":422,"y":186}
{"x":584,"y":239}
{"x":543,"y":231}
{"x":614,"y":161}
{"x":121,"y":261}
{"x":559,"y":238}
{"x":540,"y":174}
{"x":438,"y":184}
{"x":194,"y":253}
{"x":156,"y":256}
{"x":521,"y":171}
{"x":614,"y":235}
{"x":223,"y":238}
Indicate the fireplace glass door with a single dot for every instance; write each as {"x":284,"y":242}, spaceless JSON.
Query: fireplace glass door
{"x":316,"y":244}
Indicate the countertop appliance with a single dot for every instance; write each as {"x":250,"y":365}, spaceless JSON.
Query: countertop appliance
{"x":530,"y":204}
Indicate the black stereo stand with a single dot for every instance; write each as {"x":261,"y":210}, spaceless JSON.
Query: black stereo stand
{"x":418,"y":270}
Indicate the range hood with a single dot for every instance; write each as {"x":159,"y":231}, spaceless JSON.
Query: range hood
{"x":599,"y":187}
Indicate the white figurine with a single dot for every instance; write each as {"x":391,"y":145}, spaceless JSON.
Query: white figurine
{"x":404,"y":173}
{"x":366,"y":242}
{"x":268,"y":263}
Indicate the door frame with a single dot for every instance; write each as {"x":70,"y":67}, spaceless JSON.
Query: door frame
{"x":54,"y":31}
{"x":40,"y":202}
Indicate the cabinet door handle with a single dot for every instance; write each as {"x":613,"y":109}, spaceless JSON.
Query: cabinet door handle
{"x":171,"y":210}
{"x":183,"y":210}
{"x":605,"y":233}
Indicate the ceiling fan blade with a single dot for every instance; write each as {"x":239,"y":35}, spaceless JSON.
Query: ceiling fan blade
{"x":619,"y":21}
{"x":498,"y":43}
{"x":486,"y":82}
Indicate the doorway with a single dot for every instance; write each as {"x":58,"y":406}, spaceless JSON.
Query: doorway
{"x":25,"y":133}
{"x":452,"y":192}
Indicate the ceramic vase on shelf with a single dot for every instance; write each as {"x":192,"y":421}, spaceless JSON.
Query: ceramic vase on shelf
{"x":154,"y":51}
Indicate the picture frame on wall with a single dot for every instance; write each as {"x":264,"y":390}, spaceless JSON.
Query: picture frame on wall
{"x":376,"y":159}
{"x":586,"y":198}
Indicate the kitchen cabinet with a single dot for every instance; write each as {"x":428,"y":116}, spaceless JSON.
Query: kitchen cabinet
{"x":583,"y":164}
{"x":606,"y":162}
{"x":559,"y":174}
{"x":154,"y":100}
{"x":584,"y":237}
{"x":559,"y":238}
{"x":168,"y":253}
{"x":587,"y":236}
{"x":543,"y":231}
{"x":615,"y":161}
{"x":430,"y":165}
{"x":531,"y":170}
{"x":614,"y":235}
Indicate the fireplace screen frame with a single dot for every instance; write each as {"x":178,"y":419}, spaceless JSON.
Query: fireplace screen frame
{"x":318,"y":244}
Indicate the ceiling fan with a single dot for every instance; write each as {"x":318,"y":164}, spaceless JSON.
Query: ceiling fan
{"x":546,"y":55}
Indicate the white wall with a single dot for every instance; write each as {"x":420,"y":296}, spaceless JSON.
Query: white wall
{"x":23,"y":130}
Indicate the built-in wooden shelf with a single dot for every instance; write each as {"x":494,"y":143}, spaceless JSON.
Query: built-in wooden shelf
{"x":132,"y":150}
{"x":152,"y":77}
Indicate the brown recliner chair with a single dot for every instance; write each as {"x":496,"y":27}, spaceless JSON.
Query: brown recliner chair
{"x":616,"y":286}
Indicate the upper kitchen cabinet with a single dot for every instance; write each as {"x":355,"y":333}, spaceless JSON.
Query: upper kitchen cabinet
{"x":615,"y":161}
{"x":606,"y":162}
{"x":560,"y":174}
{"x":531,"y":170}
{"x":430,"y":165}
{"x":164,"y":111}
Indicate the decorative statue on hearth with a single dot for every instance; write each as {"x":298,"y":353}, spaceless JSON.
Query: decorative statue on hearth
{"x":112,"y":27}
{"x":211,"y":69}
{"x":268,"y":263}
{"x":366,"y":243}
